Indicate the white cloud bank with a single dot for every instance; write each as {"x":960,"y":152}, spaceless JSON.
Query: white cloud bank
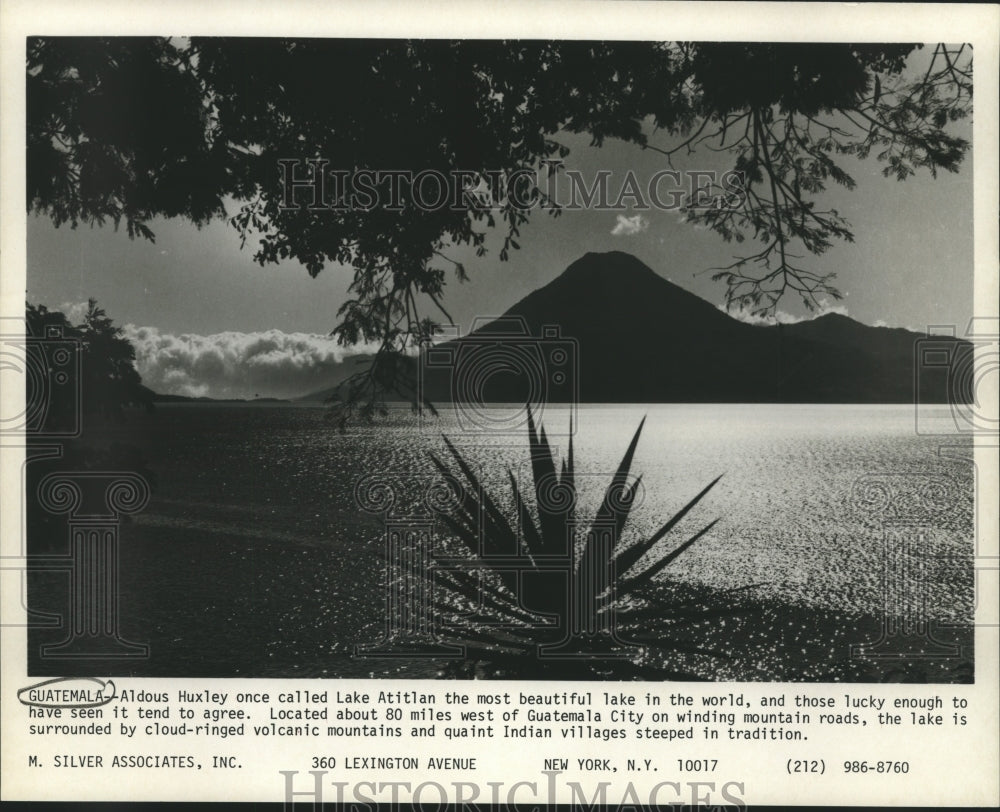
{"x":236,"y":365}
{"x":782,"y":317}
{"x":629,"y":226}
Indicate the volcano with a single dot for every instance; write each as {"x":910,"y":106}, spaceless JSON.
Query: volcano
{"x":609,"y":329}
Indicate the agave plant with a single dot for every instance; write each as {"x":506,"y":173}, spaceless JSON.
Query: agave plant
{"x":538,"y":597}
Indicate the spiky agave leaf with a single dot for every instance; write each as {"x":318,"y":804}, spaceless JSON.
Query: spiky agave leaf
{"x":568,"y":478}
{"x":500,"y":536}
{"x":552,"y":521}
{"x":470,"y":587}
{"x":532,"y":535}
{"x":593,"y":574}
{"x":617,"y":501}
{"x":497,"y":536}
{"x":653,"y":569}
{"x":629,"y":556}
{"x":482,"y":618}
{"x":630,"y":598}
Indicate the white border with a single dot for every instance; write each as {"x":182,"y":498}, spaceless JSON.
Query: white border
{"x":967,"y":773}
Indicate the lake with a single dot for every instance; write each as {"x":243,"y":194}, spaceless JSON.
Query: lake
{"x":253,"y":556}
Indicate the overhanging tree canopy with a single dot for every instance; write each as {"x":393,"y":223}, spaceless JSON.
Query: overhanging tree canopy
{"x":129,"y":129}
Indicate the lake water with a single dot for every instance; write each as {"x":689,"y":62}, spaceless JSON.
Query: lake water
{"x":798,"y":503}
{"x":254,"y":520}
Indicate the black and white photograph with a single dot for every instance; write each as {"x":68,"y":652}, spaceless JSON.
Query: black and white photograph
{"x":588,"y":364}
{"x":501,"y":359}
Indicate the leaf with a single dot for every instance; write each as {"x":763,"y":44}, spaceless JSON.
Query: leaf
{"x":532,"y":538}
{"x":552,"y":523}
{"x":595,"y":566}
{"x":667,"y":559}
{"x":501,"y":538}
{"x":616,"y":492}
{"x":628,"y":557}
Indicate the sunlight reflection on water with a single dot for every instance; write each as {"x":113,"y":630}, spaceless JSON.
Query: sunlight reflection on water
{"x":790,"y":515}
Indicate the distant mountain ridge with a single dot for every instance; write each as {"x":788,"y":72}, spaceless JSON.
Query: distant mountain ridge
{"x":159,"y":397}
{"x":639,"y":338}
{"x":345,"y":369}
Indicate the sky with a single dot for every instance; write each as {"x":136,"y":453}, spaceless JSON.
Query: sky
{"x":207,"y":320}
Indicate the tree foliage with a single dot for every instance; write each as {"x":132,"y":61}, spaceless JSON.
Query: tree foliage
{"x":123,"y":130}
{"x":93,"y":404}
{"x":109,"y":382}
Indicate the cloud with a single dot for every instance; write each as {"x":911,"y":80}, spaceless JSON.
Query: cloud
{"x":236,"y":365}
{"x":781,"y":316}
{"x":628,"y":226}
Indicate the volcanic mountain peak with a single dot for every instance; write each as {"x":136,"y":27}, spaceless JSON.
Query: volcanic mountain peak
{"x":597,"y":264}
{"x":609,"y":329}
{"x":599,"y":290}
{"x":611,"y":272}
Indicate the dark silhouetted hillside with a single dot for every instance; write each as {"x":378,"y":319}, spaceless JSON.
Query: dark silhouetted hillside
{"x":640,"y":338}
